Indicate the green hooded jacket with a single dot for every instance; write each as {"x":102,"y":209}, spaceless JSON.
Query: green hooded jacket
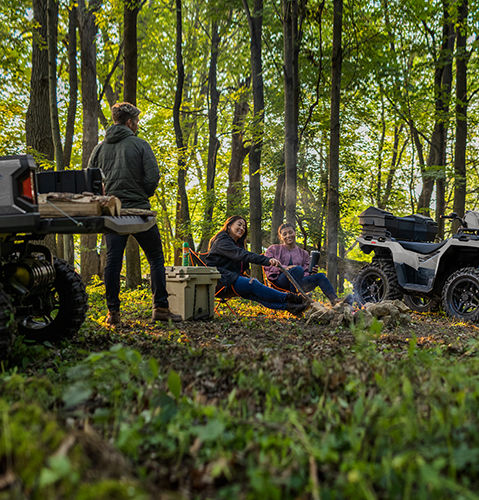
{"x":128,"y":165}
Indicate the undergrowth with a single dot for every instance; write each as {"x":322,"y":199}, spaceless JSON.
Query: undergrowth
{"x":240,"y":407}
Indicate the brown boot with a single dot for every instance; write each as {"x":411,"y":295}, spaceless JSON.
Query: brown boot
{"x":164,"y":314}
{"x":113,"y":318}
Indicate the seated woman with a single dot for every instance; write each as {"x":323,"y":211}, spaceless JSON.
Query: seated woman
{"x":296,"y":261}
{"x":228,"y":254}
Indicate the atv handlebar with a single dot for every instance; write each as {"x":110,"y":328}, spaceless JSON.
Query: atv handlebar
{"x":453,"y":216}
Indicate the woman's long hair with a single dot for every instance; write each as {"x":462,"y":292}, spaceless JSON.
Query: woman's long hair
{"x":226,"y":226}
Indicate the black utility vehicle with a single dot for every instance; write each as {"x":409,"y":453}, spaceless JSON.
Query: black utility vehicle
{"x":407,"y":263}
{"x":41,"y":296}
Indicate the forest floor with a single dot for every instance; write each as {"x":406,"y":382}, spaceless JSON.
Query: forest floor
{"x":248,"y":405}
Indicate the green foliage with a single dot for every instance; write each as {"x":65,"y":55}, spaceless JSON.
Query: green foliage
{"x":249,"y":407}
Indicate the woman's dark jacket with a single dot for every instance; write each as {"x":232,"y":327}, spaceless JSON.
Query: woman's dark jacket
{"x":231,"y":259}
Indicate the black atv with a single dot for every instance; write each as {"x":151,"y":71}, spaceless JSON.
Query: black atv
{"x":407,"y":264}
{"x":41,"y":296}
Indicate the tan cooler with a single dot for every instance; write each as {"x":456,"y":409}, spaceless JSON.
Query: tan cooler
{"x":191,"y":291}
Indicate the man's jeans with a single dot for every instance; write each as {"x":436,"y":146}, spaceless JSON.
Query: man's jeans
{"x":150,"y":242}
{"x":307,"y":283}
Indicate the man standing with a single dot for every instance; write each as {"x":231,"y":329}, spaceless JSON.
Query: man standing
{"x":130,"y":172}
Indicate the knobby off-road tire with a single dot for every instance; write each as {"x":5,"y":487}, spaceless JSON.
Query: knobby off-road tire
{"x":377,"y":282}
{"x":420,"y":303}
{"x":7,"y":323}
{"x":68,"y":308}
{"x":460,"y":295}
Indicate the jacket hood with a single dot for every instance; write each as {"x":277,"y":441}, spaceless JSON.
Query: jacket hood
{"x":117,"y":133}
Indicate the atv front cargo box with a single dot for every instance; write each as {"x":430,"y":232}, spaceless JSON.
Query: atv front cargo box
{"x":380,"y":223}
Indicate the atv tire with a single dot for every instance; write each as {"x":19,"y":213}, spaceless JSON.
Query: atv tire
{"x":377,"y":282}
{"x":460,"y":296}
{"x":7,"y":323}
{"x":420,"y":303}
{"x":65,"y":312}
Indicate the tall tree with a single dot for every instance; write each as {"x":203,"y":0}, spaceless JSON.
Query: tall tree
{"x":68,"y":245}
{"x":436,"y":160}
{"x":183,"y":223}
{"x":333,"y":181}
{"x":255,"y":23}
{"x":461,"y":111}
{"x":291,"y":41}
{"x":130,"y":76}
{"x":234,"y":193}
{"x":52,"y":36}
{"x":37,"y":123}
{"x":213,"y":142}
{"x":89,"y":259}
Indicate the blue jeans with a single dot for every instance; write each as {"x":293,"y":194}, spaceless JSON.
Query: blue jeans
{"x":307,"y":283}
{"x":254,"y":290}
{"x":150,"y":242}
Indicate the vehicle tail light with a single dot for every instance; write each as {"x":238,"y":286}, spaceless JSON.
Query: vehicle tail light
{"x":26,"y":187}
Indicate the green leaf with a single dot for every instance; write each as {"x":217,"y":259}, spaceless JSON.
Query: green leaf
{"x":174,"y":383}
{"x":76,"y":394}
{"x":211,"y":431}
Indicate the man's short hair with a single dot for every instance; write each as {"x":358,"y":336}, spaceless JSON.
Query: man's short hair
{"x":124,"y":111}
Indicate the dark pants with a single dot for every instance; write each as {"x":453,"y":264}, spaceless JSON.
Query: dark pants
{"x":150,"y":242}
{"x":307,"y":283}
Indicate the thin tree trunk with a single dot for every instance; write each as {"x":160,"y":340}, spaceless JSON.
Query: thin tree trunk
{"x":52,"y":35}
{"x":130,"y":75}
{"x":89,"y":258}
{"x":37,"y":125}
{"x":234,"y":193}
{"x":380,"y":153}
{"x":68,"y":244}
{"x":395,"y":160}
{"x":73,"y":84}
{"x":461,"y":111}
{"x":255,"y":23}
{"x":333,"y":184}
{"x":278,"y":209}
{"x":291,"y":91}
{"x":183,"y":223}
{"x":449,"y":37}
{"x":213,"y":142}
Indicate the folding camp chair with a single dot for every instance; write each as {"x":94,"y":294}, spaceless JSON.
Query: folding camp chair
{"x":223,"y":294}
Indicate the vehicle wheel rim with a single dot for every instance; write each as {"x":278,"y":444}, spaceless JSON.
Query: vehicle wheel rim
{"x":464,"y":297}
{"x":42,"y":320}
{"x":372,"y":288}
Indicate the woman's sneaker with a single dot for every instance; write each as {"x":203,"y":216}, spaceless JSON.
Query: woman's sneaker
{"x":297,"y":309}
{"x":293,"y":298}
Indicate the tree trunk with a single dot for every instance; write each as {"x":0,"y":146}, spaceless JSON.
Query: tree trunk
{"x":183,"y":223}
{"x":461,"y":112}
{"x":89,"y":258}
{"x":291,"y":93}
{"x":37,"y":125}
{"x":395,"y":161}
{"x":449,"y":37}
{"x":234,"y":193}
{"x":73,"y":84}
{"x":130,"y":75}
{"x":333,"y":183}
{"x":278,"y":209}
{"x":437,"y":153}
{"x":255,"y":22}
{"x":68,"y":244}
{"x":52,"y":35}
{"x":213,"y":142}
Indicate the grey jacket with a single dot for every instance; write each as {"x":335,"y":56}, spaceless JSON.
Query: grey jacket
{"x":128,"y":166}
